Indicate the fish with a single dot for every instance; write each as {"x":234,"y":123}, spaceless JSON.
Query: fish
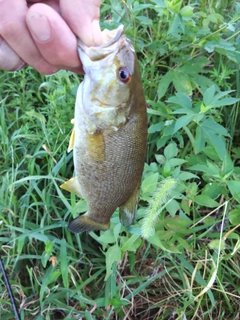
{"x":109,"y":137}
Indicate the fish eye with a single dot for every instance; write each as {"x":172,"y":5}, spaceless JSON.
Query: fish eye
{"x":124,"y":75}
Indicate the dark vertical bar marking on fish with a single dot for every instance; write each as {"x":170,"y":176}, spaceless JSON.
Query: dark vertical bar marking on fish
{"x":5,"y":278}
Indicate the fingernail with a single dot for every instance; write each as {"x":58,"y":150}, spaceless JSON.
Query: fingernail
{"x":39,"y":26}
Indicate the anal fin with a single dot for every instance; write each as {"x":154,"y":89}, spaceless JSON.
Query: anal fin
{"x":128,"y":210}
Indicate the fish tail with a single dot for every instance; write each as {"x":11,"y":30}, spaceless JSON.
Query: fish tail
{"x":85,"y":223}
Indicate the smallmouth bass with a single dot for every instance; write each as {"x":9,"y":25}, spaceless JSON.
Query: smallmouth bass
{"x":110,"y":133}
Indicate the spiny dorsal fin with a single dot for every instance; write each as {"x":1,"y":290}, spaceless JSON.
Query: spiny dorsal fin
{"x":72,"y":138}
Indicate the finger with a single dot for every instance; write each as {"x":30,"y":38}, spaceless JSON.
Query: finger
{"x":83,"y":19}
{"x":14,"y":30}
{"x":9,"y":60}
{"x":52,"y":3}
{"x":53,"y":38}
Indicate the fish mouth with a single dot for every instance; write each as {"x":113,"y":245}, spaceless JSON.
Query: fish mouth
{"x":110,"y":38}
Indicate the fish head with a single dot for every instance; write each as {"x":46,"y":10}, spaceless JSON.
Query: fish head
{"x":107,"y":90}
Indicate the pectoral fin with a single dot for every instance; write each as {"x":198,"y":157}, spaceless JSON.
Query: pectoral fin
{"x":128,"y":210}
{"x":72,"y":186}
{"x":96,"y":147}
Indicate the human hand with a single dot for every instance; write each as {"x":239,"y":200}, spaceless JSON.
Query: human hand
{"x":43,"y":34}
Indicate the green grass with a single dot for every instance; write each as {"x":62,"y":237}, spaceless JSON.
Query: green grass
{"x":188,"y":267}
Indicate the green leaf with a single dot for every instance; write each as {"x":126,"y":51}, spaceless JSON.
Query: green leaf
{"x":234,"y":216}
{"x":49,"y":276}
{"x":164,"y":84}
{"x":149,"y":184}
{"x":195,"y":66}
{"x":183,"y":121}
{"x":176,"y":162}
{"x":45,"y":258}
{"x":206,"y":201}
{"x":160,"y":158}
{"x":211,"y":153}
{"x":213,"y":132}
{"x":162,"y":244}
{"x":182,"y":100}
{"x":36,"y":115}
{"x":64,"y":263}
{"x":182,"y":83}
{"x":226,"y":102}
{"x":234,"y":187}
{"x":158,"y":46}
{"x":199,"y":140}
{"x":170,"y":247}
{"x":162,"y":141}
{"x":112,"y":255}
{"x":210,"y":100}
{"x":170,"y":151}
{"x":218,"y":143}
{"x":174,"y":5}
{"x":156,"y":127}
{"x":173,"y":207}
{"x":187,"y":11}
{"x":220,"y":95}
{"x":184,"y":243}
{"x":119,"y":302}
{"x":228,"y":166}
{"x":212,"y":126}
{"x":49,"y":246}
{"x":141,"y":7}
{"x":186,"y":176}
{"x":105,"y":238}
{"x":88,"y":315}
{"x":21,"y":242}
{"x":145,"y":20}
{"x":216,"y":243}
{"x":208,"y":96}
{"x":116,"y":231}
{"x":210,"y":169}
{"x":129,"y":243}
{"x":178,"y":224}
{"x":213,"y":190}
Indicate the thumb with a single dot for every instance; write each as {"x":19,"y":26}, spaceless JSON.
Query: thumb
{"x":83,"y":18}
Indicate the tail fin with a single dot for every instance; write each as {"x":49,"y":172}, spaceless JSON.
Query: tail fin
{"x":85,"y":223}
